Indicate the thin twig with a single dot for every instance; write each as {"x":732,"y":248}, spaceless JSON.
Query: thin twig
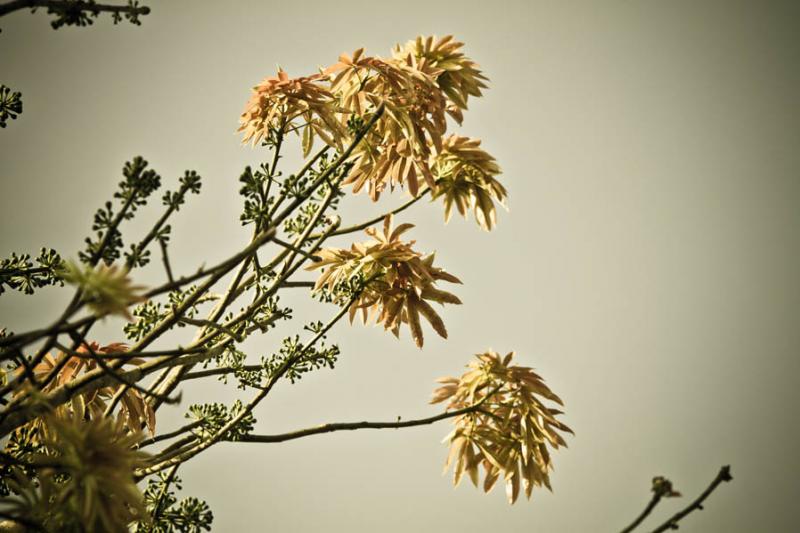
{"x":220,"y":371}
{"x":202,"y":323}
{"x":165,"y":260}
{"x":647,"y":510}
{"x":166,"y":436}
{"x":298,"y":250}
{"x":723,"y":475}
{"x":298,"y":284}
{"x":349,"y":426}
{"x":164,"y":489}
{"x":368,"y":223}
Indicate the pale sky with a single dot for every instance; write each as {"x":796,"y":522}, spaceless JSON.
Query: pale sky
{"x":647,"y":268}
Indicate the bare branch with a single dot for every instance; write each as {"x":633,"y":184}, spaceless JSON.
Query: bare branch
{"x":350,"y":426}
{"x":296,"y":249}
{"x":172,"y":434}
{"x":368,"y":223}
{"x":723,"y":475}
{"x":647,"y":510}
{"x":165,"y":260}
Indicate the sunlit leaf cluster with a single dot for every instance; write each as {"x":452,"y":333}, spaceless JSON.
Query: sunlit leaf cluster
{"x":465,"y":177}
{"x":378,"y":124}
{"x":511,"y":434}
{"x":56,"y":371}
{"x":403,"y":282}
{"x":420,"y":84}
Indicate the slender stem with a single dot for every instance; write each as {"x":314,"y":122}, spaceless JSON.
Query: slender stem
{"x":21,"y":339}
{"x":11,"y":272}
{"x":368,"y":223}
{"x":165,"y":260}
{"x":164,"y":489}
{"x":199,"y":322}
{"x":172,"y":434}
{"x":647,"y":510}
{"x":296,"y":249}
{"x":298,"y":284}
{"x":219,"y":371}
{"x":283,"y":194}
{"x":171,"y":208}
{"x":723,"y":475}
{"x":350,"y":426}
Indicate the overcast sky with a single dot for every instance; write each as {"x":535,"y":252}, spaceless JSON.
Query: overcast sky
{"x":647,"y":268}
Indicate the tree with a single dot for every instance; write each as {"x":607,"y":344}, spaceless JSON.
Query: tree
{"x":81,"y":419}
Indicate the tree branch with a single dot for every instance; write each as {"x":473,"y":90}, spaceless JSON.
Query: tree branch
{"x":220,"y":434}
{"x":59,"y":6}
{"x":723,"y":475}
{"x":166,"y":436}
{"x":368,"y":223}
{"x":350,"y":426}
{"x":647,"y":510}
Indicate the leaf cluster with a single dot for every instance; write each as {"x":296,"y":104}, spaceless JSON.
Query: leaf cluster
{"x":214,"y":416}
{"x":168,"y":515}
{"x":54,"y":372}
{"x":84,"y":479}
{"x":404,"y":281}
{"x":466,"y":178}
{"x":150,"y":313}
{"x":10,"y":105}
{"x":18,"y":272}
{"x":305,"y":358}
{"x":510,"y":435}
{"x":138,"y":184}
{"x":107,"y":290}
{"x":422,"y":83}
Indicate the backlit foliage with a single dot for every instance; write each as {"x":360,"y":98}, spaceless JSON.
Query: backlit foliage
{"x":510,"y":434}
{"x":107,"y":290}
{"x":403,"y":281}
{"x":85,"y":478}
{"x":73,"y":417}
{"x":418,"y":86}
{"x":60,"y":370}
{"x":466,"y":178}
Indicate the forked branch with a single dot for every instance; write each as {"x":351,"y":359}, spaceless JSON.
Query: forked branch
{"x":723,"y":475}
